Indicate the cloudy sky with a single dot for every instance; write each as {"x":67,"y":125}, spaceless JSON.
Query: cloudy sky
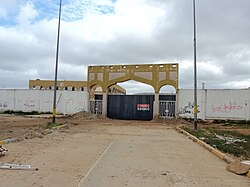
{"x":102,"y":32}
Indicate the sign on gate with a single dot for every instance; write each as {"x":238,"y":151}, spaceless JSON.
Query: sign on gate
{"x":143,"y":107}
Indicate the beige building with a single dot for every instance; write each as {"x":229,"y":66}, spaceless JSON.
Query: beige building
{"x":71,"y":86}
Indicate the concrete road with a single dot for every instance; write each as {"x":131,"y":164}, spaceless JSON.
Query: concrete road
{"x":159,"y":156}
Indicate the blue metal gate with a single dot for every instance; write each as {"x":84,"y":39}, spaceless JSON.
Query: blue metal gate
{"x":135,"y":107}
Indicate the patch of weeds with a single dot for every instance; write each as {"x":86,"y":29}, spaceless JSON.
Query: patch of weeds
{"x":51,"y":125}
{"x":45,"y":112}
{"x":21,"y":113}
{"x":240,"y":123}
{"x":197,"y":133}
{"x":8,"y":112}
{"x":235,"y":134}
{"x":220,"y":139}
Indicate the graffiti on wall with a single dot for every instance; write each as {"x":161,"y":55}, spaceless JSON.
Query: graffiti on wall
{"x":80,"y":106}
{"x":226,"y":107}
{"x":30,"y":103}
{"x":188,"y":109}
{"x":3,"y":105}
{"x":79,"y":109}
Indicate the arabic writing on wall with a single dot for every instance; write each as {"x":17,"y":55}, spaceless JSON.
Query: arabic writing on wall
{"x":226,"y":107}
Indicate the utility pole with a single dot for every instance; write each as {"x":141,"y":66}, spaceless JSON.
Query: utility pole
{"x":195,"y":73}
{"x":56,"y":68}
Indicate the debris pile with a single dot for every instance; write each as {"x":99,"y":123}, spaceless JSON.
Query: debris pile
{"x":2,"y":149}
{"x":230,"y":140}
{"x":84,"y":115}
{"x":238,"y":168}
{"x":17,"y":167}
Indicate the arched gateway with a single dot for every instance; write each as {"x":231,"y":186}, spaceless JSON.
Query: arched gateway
{"x":156,"y":75}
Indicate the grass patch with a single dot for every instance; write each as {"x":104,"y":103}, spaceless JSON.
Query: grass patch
{"x":240,"y":123}
{"x":51,"y":125}
{"x":21,"y":113}
{"x":225,"y":141}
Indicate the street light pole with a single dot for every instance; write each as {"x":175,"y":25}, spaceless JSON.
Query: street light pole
{"x":195,"y":72}
{"x":56,"y":68}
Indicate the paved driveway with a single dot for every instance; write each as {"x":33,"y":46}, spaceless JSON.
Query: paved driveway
{"x":148,"y":157}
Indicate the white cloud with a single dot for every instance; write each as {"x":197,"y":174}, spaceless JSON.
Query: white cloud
{"x":238,"y":85}
{"x":6,"y":6}
{"x":27,"y":13}
{"x":128,"y":32}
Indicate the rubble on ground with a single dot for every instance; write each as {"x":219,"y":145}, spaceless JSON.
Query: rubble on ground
{"x":238,"y":168}
{"x":84,"y":115}
{"x":230,"y":140}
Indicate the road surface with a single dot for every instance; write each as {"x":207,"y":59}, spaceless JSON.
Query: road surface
{"x":113,"y":153}
{"x":157,"y":157}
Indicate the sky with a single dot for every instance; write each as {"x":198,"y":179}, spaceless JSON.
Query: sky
{"x":105,"y":32}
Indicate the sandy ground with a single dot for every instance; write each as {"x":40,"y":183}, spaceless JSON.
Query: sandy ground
{"x":103,"y":152}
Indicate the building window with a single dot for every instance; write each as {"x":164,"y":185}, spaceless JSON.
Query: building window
{"x":82,"y":88}
{"x":73,"y":88}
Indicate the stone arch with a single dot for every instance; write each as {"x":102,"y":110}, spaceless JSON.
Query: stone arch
{"x":168,"y":101}
{"x":146,"y":88}
{"x":92,"y":91}
{"x":156,"y":75}
{"x":167,"y":89}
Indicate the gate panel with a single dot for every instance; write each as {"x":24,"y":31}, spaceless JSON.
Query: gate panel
{"x":135,"y":107}
{"x":96,"y":107}
{"x":168,"y":97}
{"x":167,"y":109}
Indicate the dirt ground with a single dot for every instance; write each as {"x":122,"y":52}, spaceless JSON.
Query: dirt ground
{"x":34,"y":126}
{"x":66,"y":156}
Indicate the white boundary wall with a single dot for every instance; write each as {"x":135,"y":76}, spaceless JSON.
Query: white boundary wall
{"x":68,"y":102}
{"x":212,"y":103}
{"x":216,"y":104}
